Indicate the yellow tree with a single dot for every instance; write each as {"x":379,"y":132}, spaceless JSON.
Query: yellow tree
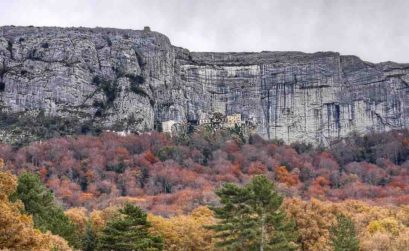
{"x":99,"y":218}
{"x":314,"y":220}
{"x":379,"y":228}
{"x":78,"y":215}
{"x":186,"y":232}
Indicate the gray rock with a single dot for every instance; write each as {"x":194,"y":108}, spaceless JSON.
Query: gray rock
{"x":130,"y":80}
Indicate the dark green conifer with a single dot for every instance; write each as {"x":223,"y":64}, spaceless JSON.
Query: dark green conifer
{"x":89,"y":243}
{"x":343,"y":235}
{"x":129,"y":231}
{"x":47,"y":214}
{"x":250,"y":218}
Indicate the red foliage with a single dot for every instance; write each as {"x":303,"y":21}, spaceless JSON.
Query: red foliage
{"x":172,"y":175}
{"x":257,"y":168}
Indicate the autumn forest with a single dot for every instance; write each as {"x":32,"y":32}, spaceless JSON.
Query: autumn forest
{"x":189,"y":192}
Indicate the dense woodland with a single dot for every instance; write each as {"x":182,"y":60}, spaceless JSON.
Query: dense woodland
{"x":359,"y":184}
{"x":175,"y":175}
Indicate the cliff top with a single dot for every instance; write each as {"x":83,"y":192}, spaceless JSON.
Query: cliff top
{"x":216,"y":58}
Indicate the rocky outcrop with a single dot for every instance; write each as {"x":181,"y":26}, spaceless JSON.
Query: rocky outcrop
{"x":133,"y":80}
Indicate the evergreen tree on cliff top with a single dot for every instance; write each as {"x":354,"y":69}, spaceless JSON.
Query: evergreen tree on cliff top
{"x":128,"y":232}
{"x":250,"y":218}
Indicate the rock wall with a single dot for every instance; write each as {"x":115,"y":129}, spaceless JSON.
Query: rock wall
{"x":132,"y":80}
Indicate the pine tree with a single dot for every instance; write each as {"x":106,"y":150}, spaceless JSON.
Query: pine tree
{"x":250,"y":218}
{"x":343,"y":235}
{"x":129,"y":231}
{"x":40,"y":203}
{"x":89,"y":243}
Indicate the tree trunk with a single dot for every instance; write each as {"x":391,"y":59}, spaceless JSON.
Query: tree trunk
{"x":262,"y":232}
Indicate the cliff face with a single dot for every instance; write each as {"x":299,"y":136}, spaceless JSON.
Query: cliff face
{"x":132,"y":80}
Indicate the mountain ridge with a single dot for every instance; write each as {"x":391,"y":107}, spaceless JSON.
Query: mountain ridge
{"x":118,"y":79}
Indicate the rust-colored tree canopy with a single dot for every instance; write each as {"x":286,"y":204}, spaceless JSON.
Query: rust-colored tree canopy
{"x":174,"y":175}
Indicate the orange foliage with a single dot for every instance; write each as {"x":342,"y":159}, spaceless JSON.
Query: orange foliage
{"x":84,"y":197}
{"x":284,"y":176}
{"x":121,"y":152}
{"x":43,"y":173}
{"x":257,"y":168}
{"x":319,"y":187}
{"x":149,"y":156}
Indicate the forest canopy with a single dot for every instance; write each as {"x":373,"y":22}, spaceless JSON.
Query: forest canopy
{"x":170,"y":175}
{"x":91,"y":185}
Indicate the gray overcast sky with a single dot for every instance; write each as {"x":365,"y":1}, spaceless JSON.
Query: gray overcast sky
{"x":375,"y":30}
